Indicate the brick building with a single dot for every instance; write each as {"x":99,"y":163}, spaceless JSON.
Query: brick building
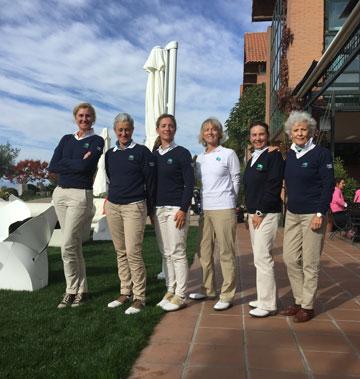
{"x":255,"y":57}
{"x":313,"y":56}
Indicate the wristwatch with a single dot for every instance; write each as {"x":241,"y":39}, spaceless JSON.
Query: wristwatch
{"x":259,"y":213}
{"x":318,"y":214}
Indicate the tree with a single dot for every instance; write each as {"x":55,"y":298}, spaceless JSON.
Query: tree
{"x":8,"y":155}
{"x":250,"y":107}
{"x":29,"y":170}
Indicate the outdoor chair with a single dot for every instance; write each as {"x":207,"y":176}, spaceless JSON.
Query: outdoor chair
{"x":337,"y":229}
{"x":354,"y":211}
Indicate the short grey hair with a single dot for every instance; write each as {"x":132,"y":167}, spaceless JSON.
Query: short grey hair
{"x":124,"y":117}
{"x":213,"y":121}
{"x":300,"y":116}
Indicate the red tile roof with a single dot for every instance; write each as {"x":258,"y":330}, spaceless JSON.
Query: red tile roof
{"x":255,"y":47}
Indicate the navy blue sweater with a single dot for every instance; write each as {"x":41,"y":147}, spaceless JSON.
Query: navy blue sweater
{"x":175,"y":178}
{"x":309,"y":181}
{"x":68,"y":162}
{"x":131,"y":173}
{"x":263,"y":183}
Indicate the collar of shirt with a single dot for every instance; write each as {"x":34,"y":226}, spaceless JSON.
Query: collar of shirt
{"x":89,"y":133}
{"x":301,"y":151}
{"x":131,"y":144}
{"x":168,"y":148}
{"x":256,"y":154}
{"x":217,"y":149}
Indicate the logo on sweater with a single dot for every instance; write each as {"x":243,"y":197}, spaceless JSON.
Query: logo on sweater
{"x":99,"y":148}
{"x":329,"y":165}
{"x":86,"y":145}
{"x":151,"y":164}
{"x":259,"y":167}
{"x":169,"y":161}
{"x":218,"y":159}
{"x":304,"y":164}
{"x":131,"y":157}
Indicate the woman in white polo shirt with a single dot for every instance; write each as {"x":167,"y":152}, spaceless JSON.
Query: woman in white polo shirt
{"x":218,"y":168}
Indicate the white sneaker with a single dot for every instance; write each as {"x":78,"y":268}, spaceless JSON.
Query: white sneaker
{"x":253,"y":304}
{"x":122,"y":299}
{"x":166,"y":299}
{"x":222,"y":305}
{"x":197,"y":296}
{"x":161,"y":275}
{"x":136,"y":307}
{"x":258,"y":312}
{"x":174,"y":304}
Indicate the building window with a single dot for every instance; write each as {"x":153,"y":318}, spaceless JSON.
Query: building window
{"x":277,"y":27}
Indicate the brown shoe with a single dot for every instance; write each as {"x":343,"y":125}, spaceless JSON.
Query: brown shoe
{"x":136,"y":307}
{"x":80,"y":299}
{"x":122,"y":299}
{"x":304,"y":315}
{"x":291,"y":310}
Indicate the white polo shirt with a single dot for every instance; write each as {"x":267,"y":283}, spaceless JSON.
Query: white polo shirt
{"x":219,"y":172}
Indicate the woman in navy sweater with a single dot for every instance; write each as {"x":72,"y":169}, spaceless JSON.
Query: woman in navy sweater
{"x":175,"y":185}
{"x":75,"y":160}
{"x":309,"y":180}
{"x":130,"y":169}
{"x":263,"y":179}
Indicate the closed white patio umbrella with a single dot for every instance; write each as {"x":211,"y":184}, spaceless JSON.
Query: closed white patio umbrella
{"x":100,"y":183}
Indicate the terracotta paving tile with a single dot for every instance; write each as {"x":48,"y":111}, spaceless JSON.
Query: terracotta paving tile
{"x":164,"y":353}
{"x":350,"y":327}
{"x":315,"y":326}
{"x":153,"y":371}
{"x":333,"y":363}
{"x":270,"y":339}
{"x":276,"y":324}
{"x":355,"y":340}
{"x":175,"y":320}
{"x":211,"y":336}
{"x":221,"y":321}
{"x":324,"y":342}
{"x":176,"y":334}
{"x":214,"y":372}
{"x":338,"y":376}
{"x":270,"y":374}
{"x":345,"y":314}
{"x":216,"y":355}
{"x":275,"y":359}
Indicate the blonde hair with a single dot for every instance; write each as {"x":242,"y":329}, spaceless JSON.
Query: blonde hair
{"x":216,"y":124}
{"x":87,"y":106}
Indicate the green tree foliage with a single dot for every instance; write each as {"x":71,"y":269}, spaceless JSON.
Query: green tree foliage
{"x":351,"y":185}
{"x":8,"y":155}
{"x":250,"y":107}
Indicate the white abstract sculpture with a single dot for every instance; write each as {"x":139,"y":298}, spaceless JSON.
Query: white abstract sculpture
{"x":23,"y":254}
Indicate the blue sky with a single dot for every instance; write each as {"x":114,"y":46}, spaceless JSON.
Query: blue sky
{"x":55,"y":54}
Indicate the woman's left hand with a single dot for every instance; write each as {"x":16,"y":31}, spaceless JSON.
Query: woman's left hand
{"x":256,"y":221}
{"x":180,"y":219}
{"x":87,"y":155}
{"x":316,"y":223}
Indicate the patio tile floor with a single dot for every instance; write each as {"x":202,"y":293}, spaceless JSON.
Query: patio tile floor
{"x":199,"y":342}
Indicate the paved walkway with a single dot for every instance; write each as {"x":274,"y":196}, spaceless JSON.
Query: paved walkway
{"x":198,"y":342}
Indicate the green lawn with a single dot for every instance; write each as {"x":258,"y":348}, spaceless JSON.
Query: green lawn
{"x":37,"y":340}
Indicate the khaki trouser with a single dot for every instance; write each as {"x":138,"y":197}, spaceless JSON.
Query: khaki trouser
{"x":127,"y":223}
{"x":262,"y":240}
{"x":172,"y":245}
{"x":219,"y":225}
{"x":302,"y":249}
{"x":73,"y":207}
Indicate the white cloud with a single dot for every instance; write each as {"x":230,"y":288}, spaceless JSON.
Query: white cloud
{"x":55,"y":54}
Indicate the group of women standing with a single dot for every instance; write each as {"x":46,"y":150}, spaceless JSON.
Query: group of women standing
{"x":161,"y":184}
